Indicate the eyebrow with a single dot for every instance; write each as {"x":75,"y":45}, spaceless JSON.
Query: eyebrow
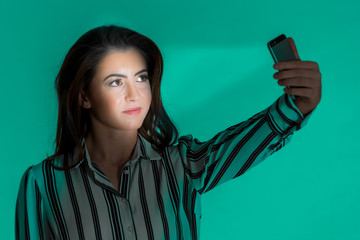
{"x":124,"y":76}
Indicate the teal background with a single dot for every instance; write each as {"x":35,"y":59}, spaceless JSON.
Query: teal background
{"x":217,"y":72}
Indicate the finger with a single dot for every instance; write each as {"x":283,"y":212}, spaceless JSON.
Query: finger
{"x":297,"y":82}
{"x":304,"y":92}
{"x":294,"y":73}
{"x":296,"y":64}
{"x":293,"y":47}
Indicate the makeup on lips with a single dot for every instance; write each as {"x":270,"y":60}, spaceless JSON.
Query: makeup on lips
{"x":133,"y":111}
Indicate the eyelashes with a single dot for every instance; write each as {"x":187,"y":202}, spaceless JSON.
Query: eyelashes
{"x":144,"y":77}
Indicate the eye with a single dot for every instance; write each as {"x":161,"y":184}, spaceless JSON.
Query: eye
{"x":144,"y":78}
{"x":111,"y":83}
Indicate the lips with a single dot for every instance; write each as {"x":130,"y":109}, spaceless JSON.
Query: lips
{"x":132,"y":109}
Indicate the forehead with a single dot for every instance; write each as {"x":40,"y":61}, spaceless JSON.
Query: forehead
{"x":122,"y":59}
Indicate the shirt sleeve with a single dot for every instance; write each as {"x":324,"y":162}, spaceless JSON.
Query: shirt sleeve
{"x":242,"y":146}
{"x":28,"y":224}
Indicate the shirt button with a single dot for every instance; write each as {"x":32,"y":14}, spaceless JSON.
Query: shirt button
{"x":123,"y":200}
{"x":129,"y":228}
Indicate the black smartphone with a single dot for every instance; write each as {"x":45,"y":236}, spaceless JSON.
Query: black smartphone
{"x":280,"y":49}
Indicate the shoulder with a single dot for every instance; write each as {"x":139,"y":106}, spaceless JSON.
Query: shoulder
{"x":188,"y":140}
{"x":36,"y":171}
{"x":36,"y":176}
{"x":186,"y":143}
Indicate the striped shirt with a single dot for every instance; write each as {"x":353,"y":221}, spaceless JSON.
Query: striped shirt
{"x":159,"y":194}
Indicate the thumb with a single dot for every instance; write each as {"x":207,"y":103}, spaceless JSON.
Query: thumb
{"x":293,"y":47}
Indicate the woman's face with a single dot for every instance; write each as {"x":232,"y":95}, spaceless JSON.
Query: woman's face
{"x":120,"y":83}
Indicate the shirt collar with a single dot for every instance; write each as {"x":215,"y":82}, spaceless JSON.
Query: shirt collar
{"x":143,"y":149}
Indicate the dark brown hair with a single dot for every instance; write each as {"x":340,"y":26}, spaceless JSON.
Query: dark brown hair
{"x":78,"y":70}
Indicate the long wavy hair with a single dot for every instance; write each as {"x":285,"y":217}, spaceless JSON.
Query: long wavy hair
{"x":77,"y":72}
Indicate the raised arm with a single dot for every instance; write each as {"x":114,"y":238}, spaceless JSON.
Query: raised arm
{"x":236,"y":149}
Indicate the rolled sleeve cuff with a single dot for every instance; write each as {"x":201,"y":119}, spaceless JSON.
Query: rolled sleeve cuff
{"x":284,"y":117}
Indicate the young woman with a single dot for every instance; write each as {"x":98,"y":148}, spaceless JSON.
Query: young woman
{"x":120,"y":171}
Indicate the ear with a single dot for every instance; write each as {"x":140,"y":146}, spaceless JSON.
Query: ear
{"x":84,"y":101}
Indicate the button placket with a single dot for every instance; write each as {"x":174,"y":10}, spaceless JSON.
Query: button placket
{"x":123,"y":183}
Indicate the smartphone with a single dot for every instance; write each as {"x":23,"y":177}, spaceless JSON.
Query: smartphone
{"x":280,"y":49}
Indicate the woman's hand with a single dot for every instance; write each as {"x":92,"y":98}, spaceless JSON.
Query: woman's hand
{"x":303,"y":79}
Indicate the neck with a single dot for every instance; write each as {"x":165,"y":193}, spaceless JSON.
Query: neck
{"x":111,"y":150}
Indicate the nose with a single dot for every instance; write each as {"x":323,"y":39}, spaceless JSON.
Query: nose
{"x":132,"y":93}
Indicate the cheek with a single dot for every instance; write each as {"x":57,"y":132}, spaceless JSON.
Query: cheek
{"x":107,"y":101}
{"x":144,"y":91}
{"x":148,"y":97}
{"x":115,"y":101}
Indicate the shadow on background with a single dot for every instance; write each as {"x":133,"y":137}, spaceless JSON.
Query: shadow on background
{"x":217,"y":72}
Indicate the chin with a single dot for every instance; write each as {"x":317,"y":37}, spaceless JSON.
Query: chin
{"x":131,"y":126}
